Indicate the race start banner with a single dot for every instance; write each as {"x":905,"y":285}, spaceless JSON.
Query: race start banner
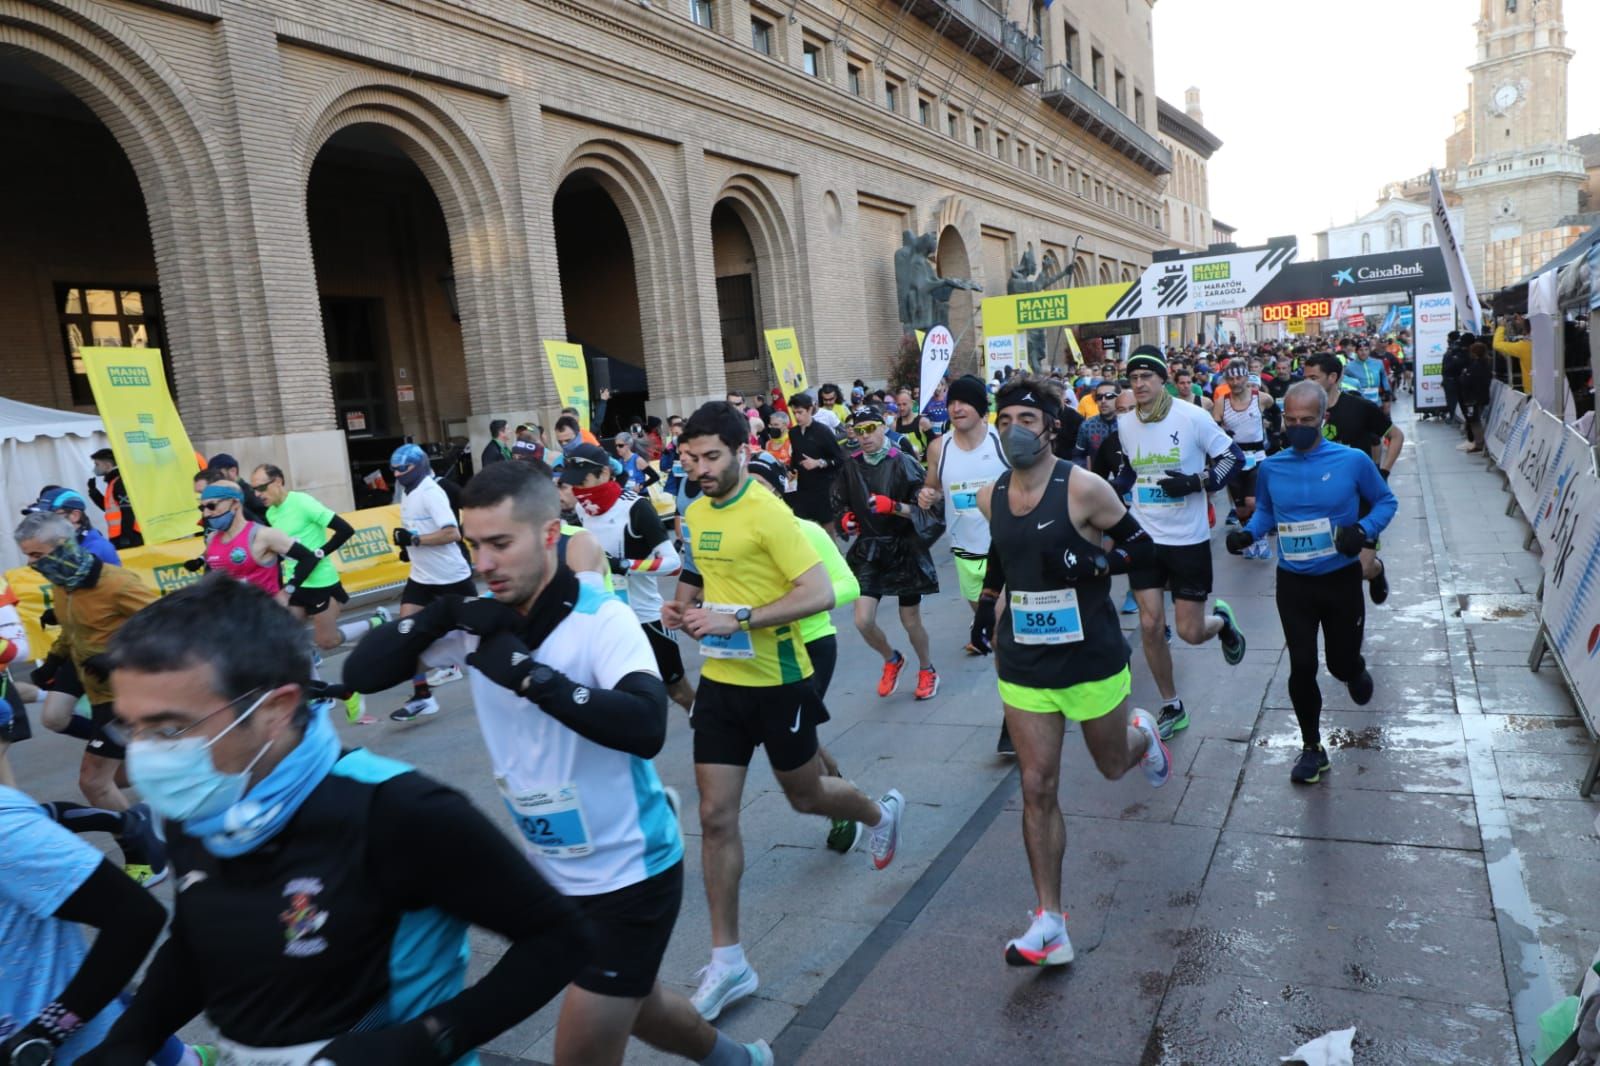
{"x":147,"y":437}
{"x":571,"y":376}
{"x":937,"y":349}
{"x":999,"y":357}
{"x":784,"y":348}
{"x":1435,"y":317}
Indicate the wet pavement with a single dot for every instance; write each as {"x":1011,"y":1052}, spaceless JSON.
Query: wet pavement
{"x":1225,"y":918}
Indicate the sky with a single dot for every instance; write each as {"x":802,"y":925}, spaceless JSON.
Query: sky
{"x":1318,"y":111}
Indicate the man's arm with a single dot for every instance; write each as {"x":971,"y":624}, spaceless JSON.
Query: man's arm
{"x":1262,"y":521}
{"x":1394,"y":439}
{"x":1375,"y":490}
{"x":651,"y":550}
{"x":341,"y":530}
{"x":810,"y":592}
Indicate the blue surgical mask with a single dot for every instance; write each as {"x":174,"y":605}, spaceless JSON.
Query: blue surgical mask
{"x":179,"y":780}
{"x":1302,"y":438}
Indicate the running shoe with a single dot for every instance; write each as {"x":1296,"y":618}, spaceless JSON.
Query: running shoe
{"x":1168,"y":634}
{"x":1157,"y":761}
{"x":355,"y":713}
{"x":1171,"y":719}
{"x":1129,"y":604}
{"x":1232,"y":639}
{"x":721,"y":987}
{"x":886,"y":834}
{"x":1232,"y":519}
{"x":1005,"y":746}
{"x":206,"y":1054}
{"x":414,"y":709}
{"x":1360,"y":688}
{"x":890,"y":681}
{"x":760,"y":1053}
{"x":1378,"y":587}
{"x":146,"y":876}
{"x":443,"y":676}
{"x":927,"y":683}
{"x":844,"y":835}
{"x":1044,"y":944}
{"x":380,"y":617}
{"x":1312,"y":764}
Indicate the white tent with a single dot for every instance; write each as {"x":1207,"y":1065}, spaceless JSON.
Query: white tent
{"x":39,"y":447}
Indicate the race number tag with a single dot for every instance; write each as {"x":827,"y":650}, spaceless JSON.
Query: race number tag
{"x":1251,"y":459}
{"x":964,"y":495}
{"x":552,"y":821}
{"x":1147,"y":493}
{"x":1045,"y":617}
{"x":232,"y":1053}
{"x":1304,"y":541}
{"x":736,"y":645}
{"x":1370,"y":392}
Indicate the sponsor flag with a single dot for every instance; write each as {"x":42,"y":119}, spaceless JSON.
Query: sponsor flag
{"x":937,"y":348}
{"x":784,"y":348}
{"x":1455,"y":259}
{"x":571,"y":376}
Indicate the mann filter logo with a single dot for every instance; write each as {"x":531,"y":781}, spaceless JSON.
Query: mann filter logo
{"x":172,"y":577}
{"x":1213,"y":271}
{"x":1048,"y":307}
{"x":783,"y":344}
{"x":128,"y":375}
{"x":566,"y":362}
{"x":1432,"y":369}
{"x":369,"y":542}
{"x":710,"y":541}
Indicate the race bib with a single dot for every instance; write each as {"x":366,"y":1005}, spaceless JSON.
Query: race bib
{"x":1146,"y":493}
{"x":1045,"y":617}
{"x":736,"y":645}
{"x":1369,"y":392}
{"x":551,"y":820}
{"x":1303,"y":541}
{"x":677,"y":469}
{"x":231,"y":1053}
{"x":964,"y":495}
{"x":1251,"y":459}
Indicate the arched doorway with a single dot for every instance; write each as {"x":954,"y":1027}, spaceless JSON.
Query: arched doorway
{"x":953,"y":261}
{"x":739,"y":296}
{"x":388,"y":295}
{"x":600,"y":292}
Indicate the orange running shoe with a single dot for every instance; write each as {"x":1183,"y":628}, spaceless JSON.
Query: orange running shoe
{"x":890,"y":681}
{"x":927,"y":684}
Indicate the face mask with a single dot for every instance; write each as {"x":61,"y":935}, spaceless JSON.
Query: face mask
{"x":179,"y":780}
{"x":413,"y":476}
{"x":874,"y":458}
{"x":1302,"y":438}
{"x":598,"y":499}
{"x":1023,"y":447}
{"x":68,"y":565}
{"x":219,"y":522}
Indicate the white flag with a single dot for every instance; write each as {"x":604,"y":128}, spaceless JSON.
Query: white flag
{"x":1455,"y":260}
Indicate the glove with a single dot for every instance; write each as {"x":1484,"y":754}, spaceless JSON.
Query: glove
{"x":504,"y":659}
{"x":1177,"y":484}
{"x":1238,"y":541}
{"x":194,"y":566}
{"x":485,"y":616}
{"x":399,"y":1045}
{"x":44,"y":675}
{"x":1350,"y":540}
{"x":848,"y":523}
{"x":403,"y":538}
{"x":1081,"y":567}
{"x":618,"y":566}
{"x":983,"y":625}
{"x":1383,"y":473}
{"x":48,"y":618}
{"x":882,"y":504}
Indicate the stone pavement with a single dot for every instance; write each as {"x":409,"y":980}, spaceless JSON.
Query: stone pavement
{"x":1223,"y":919}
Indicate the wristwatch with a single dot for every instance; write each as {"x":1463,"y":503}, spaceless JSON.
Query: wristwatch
{"x":317,"y":552}
{"x":39,"y":1052}
{"x":742,"y":616}
{"x":289,"y":589}
{"x":540,"y":676}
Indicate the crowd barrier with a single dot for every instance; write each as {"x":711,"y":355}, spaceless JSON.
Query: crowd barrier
{"x":1551,"y":474}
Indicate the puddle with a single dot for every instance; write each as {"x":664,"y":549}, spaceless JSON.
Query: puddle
{"x":1491,"y":608}
{"x":1365,"y":739}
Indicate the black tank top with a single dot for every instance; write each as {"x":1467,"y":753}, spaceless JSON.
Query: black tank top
{"x":1034,"y":549}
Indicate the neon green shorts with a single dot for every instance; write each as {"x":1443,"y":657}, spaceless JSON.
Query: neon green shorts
{"x":970,"y":573}
{"x":1081,"y":703}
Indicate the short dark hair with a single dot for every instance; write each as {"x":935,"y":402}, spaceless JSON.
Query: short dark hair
{"x":249,"y":642}
{"x":528,"y":485}
{"x":718,"y":419}
{"x":211,"y":475}
{"x":497,"y":426}
{"x":568,"y":422}
{"x":803,"y":400}
{"x":1326,"y":362}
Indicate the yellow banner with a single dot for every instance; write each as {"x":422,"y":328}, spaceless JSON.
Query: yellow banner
{"x":784,"y":348}
{"x":1072,"y":342}
{"x":1297,"y":325}
{"x":152,"y":449}
{"x":368,"y":560}
{"x":1059,"y":307}
{"x":571,"y":375}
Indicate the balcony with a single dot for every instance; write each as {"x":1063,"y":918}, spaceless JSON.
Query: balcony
{"x":1077,"y":100}
{"x":980,"y":28}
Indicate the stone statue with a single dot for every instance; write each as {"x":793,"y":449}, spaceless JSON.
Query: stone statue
{"x":924,"y":297}
{"x":1024,"y":279}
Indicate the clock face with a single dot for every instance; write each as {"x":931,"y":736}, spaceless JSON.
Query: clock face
{"x":1505,"y":96}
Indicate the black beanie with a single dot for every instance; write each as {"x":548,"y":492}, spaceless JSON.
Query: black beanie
{"x":970,"y":391}
{"x":1147,"y":357}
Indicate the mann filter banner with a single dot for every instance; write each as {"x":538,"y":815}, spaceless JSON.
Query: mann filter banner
{"x":1042,"y":310}
{"x":1203,"y":283}
{"x":1435,"y":318}
{"x":784,"y":348}
{"x":147,"y":437}
{"x":571,"y":376}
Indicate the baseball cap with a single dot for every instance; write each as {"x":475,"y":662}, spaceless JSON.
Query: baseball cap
{"x":767,"y":467}
{"x":581,"y":461}
{"x":867,"y":413}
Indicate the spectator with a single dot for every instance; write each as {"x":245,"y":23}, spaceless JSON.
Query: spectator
{"x":500,"y":441}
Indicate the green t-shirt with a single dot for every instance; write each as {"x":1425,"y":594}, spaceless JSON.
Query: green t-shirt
{"x":845,"y":587}
{"x":305,"y":518}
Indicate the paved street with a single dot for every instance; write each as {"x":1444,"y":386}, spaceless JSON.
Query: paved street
{"x":1224,"y":919}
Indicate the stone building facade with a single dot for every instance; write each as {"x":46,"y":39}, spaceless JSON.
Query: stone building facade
{"x":349,"y":221}
{"x":1186,"y":204}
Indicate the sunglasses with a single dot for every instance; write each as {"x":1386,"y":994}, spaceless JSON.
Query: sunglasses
{"x":263,"y":487}
{"x":213,"y":506}
{"x":1105,"y":397}
{"x":866,"y":429}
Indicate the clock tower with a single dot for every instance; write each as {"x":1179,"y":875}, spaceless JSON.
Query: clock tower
{"x":1523,"y":177}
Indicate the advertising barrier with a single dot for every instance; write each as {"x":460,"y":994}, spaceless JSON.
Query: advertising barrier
{"x":1435,"y":317}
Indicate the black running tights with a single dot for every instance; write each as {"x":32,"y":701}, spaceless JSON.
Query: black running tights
{"x":1334,"y":602}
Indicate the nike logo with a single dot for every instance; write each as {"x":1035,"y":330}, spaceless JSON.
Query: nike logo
{"x":796,"y":727}
{"x":1327,"y":475}
{"x":1049,"y":523}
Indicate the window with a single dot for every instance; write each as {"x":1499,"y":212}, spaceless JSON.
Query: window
{"x":952,"y":124}
{"x":1072,"y":49}
{"x":1366,"y":243}
{"x":925,"y":111}
{"x":1001,"y":144}
{"x":1427,"y":233}
{"x":1097,"y":71}
{"x":736,"y":307}
{"x":811,"y":58}
{"x":107,"y":318}
{"x":1121,"y":92}
{"x":700,"y":11}
{"x":891,"y":95}
{"x":1138,"y":107}
{"x":1396,"y":234}
{"x":980,"y":136}
{"x":1038,"y":163}
{"x":761,"y":35}
{"x":854,"y":76}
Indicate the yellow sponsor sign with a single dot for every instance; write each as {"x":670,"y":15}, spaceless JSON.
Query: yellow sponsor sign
{"x":1059,"y":307}
{"x":1072,"y":342}
{"x":571,"y":375}
{"x":368,"y":560}
{"x":147,"y":436}
{"x":784,"y":348}
{"x":1296,"y":325}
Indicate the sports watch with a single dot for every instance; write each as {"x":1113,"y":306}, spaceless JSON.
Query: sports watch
{"x":742,"y":616}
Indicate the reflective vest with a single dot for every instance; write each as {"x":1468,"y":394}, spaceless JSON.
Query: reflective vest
{"x":114,"y":510}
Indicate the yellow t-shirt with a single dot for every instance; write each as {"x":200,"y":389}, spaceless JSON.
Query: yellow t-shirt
{"x":749,"y":550}
{"x":1087,"y":407}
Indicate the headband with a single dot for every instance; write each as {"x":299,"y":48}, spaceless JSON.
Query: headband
{"x":222,"y":490}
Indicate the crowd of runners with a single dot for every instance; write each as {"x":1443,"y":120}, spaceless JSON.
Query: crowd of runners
{"x":324,"y":892}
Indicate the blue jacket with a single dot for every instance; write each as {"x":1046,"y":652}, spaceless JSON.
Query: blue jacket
{"x":1328,"y":482}
{"x":95,"y":543}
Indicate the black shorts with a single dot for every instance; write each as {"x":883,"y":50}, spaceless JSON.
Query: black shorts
{"x":872,"y":589}
{"x":824,"y":655}
{"x":314,"y":601}
{"x":67,"y":682}
{"x":669,"y":660}
{"x":101,"y":744}
{"x":421,"y":595}
{"x":1183,"y":568}
{"x":731,"y":721}
{"x":629,"y":930}
{"x":1243,"y":485}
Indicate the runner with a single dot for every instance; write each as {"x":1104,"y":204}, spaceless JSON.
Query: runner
{"x":1168,"y":445}
{"x":308,"y":521}
{"x":639,"y":550}
{"x":1326,"y":501}
{"x":877,"y":491}
{"x":1060,"y":649}
{"x":1368,"y":377}
{"x":761,"y":577}
{"x":53,"y":499}
{"x":1356,"y":422}
{"x":1240,"y":413}
{"x":571,"y":711}
{"x":815,"y":457}
{"x":1098,"y":426}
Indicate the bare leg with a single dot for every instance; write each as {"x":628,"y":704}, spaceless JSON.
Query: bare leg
{"x":1152,"y":634}
{"x":56,"y":714}
{"x":1115,"y":746}
{"x":1044,"y":831}
{"x":721,"y":846}
{"x":911,"y":619}
{"x":594,"y":1029}
{"x":809,"y":791}
{"x":669,"y":1021}
{"x":1193,"y":624}
{"x":97,"y":780}
{"x":7,"y":778}
{"x":682,"y":693}
{"x":867,"y":626}
{"x":325,"y":628}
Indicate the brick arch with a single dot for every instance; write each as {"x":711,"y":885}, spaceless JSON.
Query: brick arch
{"x":455,"y":163}
{"x":784,"y":287}
{"x":159,"y":125}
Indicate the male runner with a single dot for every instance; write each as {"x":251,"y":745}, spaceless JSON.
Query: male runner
{"x":1357,"y":422}
{"x":1368,"y":377}
{"x":1327,"y":501}
{"x":572,"y":712}
{"x":1060,"y":649}
{"x":53,"y":499}
{"x":1176,"y":455}
{"x":1240,"y":411}
{"x":761,"y":577}
{"x":241,"y":548}
{"x":308,"y":521}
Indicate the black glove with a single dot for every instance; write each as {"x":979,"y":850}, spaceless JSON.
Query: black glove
{"x":1239,"y":540}
{"x":48,"y":618}
{"x":399,"y":1045}
{"x":618,"y":566}
{"x":405,"y":556}
{"x":1350,"y":540}
{"x":1177,"y":484}
{"x":194,"y":566}
{"x":44,"y":675}
{"x":1383,"y":473}
{"x":1082,"y":567}
{"x":403,"y":538}
{"x":504,"y":659}
{"x":983,"y":624}
{"x":485,"y":616}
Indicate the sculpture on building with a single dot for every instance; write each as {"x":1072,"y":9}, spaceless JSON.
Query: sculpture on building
{"x":924,"y":297}
{"x":1026,"y":277}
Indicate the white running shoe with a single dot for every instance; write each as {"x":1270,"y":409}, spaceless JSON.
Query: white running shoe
{"x":380,"y":617}
{"x":1157,"y":761}
{"x":760,"y":1053}
{"x":414,"y":709}
{"x":443,"y":676}
{"x":721,"y":987}
{"x":886,"y":834}
{"x":1044,"y":944}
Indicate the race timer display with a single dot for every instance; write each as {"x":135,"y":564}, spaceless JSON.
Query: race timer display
{"x":1296,"y":309}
